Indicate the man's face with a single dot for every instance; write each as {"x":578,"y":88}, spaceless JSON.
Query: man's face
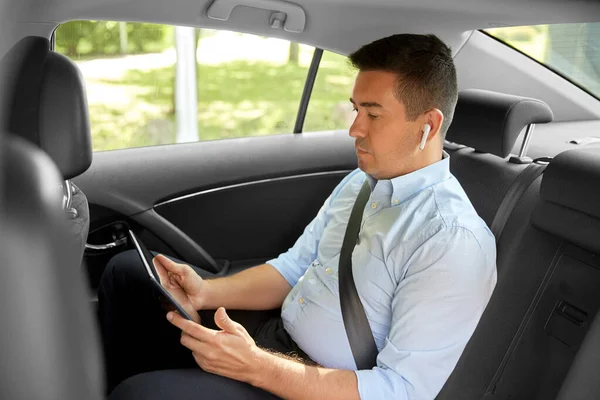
{"x":386,"y":143}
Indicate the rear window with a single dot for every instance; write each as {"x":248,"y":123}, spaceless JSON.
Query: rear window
{"x":571,"y":50}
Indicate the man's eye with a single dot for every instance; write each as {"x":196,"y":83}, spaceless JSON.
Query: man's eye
{"x":373,"y":116}
{"x":354,"y":109}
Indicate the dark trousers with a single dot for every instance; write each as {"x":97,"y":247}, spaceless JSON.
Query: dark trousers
{"x":137,"y":339}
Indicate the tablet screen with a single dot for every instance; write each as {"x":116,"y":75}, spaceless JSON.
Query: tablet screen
{"x":147,"y":257}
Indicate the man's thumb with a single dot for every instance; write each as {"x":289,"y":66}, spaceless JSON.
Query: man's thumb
{"x":224,"y":322}
{"x":169,"y":264}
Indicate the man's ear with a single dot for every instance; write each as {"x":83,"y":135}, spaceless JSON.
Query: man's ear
{"x":434,"y":118}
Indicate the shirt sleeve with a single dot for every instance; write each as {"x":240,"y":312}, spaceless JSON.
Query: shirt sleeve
{"x":437,"y":304}
{"x":293,"y":263}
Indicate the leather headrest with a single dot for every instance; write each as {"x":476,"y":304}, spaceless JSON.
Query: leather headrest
{"x":570,"y":198}
{"x":64,"y":121}
{"x":50,"y":106}
{"x":491,"y":122}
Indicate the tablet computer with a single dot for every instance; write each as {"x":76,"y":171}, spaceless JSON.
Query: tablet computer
{"x":146,"y":258}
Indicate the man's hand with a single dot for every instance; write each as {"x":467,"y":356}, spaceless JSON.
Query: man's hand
{"x":230,"y":352}
{"x":183,"y":283}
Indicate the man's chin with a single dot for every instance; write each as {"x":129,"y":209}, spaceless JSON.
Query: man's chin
{"x":364,"y":166}
{"x":369,"y":168}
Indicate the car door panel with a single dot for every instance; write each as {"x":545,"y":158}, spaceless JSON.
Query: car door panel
{"x":252,"y":220}
{"x":239,"y":199}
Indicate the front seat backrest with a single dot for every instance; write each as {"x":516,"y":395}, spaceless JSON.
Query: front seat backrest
{"x":50,"y":110}
{"x":49,"y":347}
{"x":48,"y":341}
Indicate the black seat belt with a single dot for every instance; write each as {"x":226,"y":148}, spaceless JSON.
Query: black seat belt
{"x":357,"y":326}
{"x":514,"y":194}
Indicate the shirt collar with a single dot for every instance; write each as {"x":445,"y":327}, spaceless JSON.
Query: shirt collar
{"x":405,"y":186}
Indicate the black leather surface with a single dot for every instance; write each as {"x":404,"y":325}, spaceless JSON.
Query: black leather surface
{"x":499,"y":323}
{"x":513,"y":353}
{"x":582,"y":382}
{"x":570,"y":198}
{"x":64,"y":130}
{"x":513,"y":196}
{"x":22,"y":66}
{"x":485,"y":178}
{"x":252,"y":221}
{"x":490,"y":122}
{"x":49,"y":345}
{"x":50,"y":105}
{"x":543,"y":348}
{"x":568,"y":224}
{"x":573,"y":180}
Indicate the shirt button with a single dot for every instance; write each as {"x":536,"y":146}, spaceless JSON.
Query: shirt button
{"x":396,"y":201}
{"x":301,"y":300}
{"x":328,"y":270}
{"x":374,"y":205}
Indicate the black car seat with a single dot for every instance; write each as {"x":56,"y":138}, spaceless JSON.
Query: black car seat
{"x":547,"y":292}
{"x":48,"y":341}
{"x":484,"y":130}
{"x":49,"y":345}
{"x":49,"y":108}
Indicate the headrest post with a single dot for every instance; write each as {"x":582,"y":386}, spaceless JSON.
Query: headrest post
{"x":526,"y":140}
{"x":68,"y":194}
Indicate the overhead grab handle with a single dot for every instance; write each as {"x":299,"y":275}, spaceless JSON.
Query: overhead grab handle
{"x":294,"y":21}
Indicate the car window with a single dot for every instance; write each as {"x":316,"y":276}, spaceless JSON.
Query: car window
{"x":571,"y":50}
{"x":232,"y":84}
{"x":329,"y":107}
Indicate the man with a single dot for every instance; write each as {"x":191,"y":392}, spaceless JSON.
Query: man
{"x":424,"y":267}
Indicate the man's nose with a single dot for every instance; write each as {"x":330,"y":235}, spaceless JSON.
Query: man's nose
{"x":357,"y":129}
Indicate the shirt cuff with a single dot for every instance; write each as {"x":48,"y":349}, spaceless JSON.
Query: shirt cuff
{"x":379,"y":383}
{"x":282,"y":267}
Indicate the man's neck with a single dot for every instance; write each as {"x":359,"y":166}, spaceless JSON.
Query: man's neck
{"x":423,"y":160}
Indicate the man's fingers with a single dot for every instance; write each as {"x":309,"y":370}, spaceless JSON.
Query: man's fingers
{"x":196,"y":345}
{"x":171,"y":266}
{"x":193,"y":329}
{"x":224,"y":322}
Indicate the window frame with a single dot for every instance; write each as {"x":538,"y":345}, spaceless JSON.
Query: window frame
{"x":309,"y":84}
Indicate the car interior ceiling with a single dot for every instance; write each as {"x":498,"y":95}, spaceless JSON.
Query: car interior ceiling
{"x":538,"y":337}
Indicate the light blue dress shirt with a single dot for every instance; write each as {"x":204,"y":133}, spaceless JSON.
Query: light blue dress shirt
{"x":424,"y":268}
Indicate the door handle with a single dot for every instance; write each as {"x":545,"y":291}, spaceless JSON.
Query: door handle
{"x":294,"y":22}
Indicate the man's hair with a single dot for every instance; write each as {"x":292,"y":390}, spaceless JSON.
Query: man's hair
{"x":425,"y":70}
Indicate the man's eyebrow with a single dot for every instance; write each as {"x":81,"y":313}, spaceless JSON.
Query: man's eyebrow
{"x":367,"y":104}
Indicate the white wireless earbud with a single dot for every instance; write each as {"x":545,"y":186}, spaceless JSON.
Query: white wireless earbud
{"x":426,"y":130}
